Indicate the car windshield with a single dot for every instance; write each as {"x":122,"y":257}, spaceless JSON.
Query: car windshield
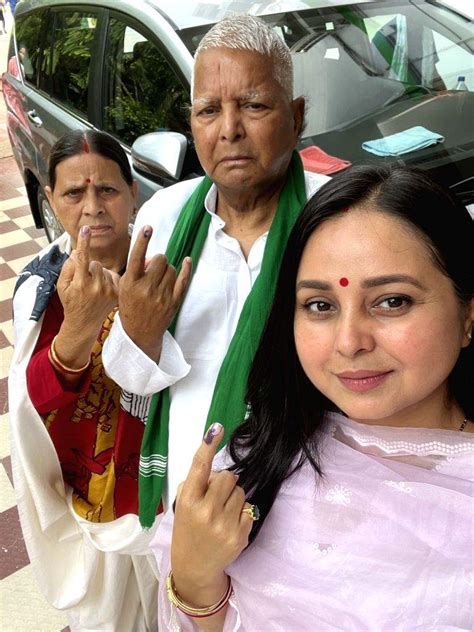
{"x":372,"y":70}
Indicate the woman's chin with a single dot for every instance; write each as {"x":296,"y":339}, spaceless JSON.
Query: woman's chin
{"x":368,"y":413}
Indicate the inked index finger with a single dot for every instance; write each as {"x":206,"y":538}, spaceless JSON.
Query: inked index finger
{"x":198,"y":478}
{"x":81,"y":253}
{"x":136,"y":260}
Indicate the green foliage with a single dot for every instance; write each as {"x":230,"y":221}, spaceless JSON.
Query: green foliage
{"x":71,"y":60}
{"x":28,"y":33}
{"x":145,"y":94}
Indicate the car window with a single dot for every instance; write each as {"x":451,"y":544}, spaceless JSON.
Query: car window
{"x":375,"y":60}
{"x":453,"y":61}
{"x":372,"y":70}
{"x":73,"y":38}
{"x":30,"y":35}
{"x":416,"y":53}
{"x":13,"y":67}
{"x":143,"y":92}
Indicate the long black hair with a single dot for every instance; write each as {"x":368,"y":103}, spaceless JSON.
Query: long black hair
{"x":78,"y":142}
{"x":286,"y":410}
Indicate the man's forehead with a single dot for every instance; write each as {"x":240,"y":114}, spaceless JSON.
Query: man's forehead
{"x":236,"y":69}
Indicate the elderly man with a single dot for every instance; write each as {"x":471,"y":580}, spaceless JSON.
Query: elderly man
{"x":233,"y":224}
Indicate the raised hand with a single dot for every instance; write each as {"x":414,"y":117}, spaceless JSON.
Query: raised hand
{"x":210,"y":530}
{"x":150,"y":293}
{"x":87,"y":290}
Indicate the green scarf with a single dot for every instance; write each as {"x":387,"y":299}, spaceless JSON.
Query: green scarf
{"x":228,"y":401}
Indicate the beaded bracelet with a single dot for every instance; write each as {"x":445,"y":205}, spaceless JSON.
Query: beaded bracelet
{"x":196,"y":613}
{"x":57,"y":364}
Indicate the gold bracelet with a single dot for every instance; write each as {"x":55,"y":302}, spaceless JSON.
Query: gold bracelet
{"x":57,"y":364}
{"x":197,"y":613}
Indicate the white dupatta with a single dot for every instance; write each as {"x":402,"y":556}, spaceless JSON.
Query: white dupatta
{"x":101,"y":573}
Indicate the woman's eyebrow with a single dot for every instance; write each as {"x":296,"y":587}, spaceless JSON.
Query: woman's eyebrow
{"x":391,"y":278}
{"x":316,"y":284}
{"x":74,"y":187}
{"x":313,"y":284}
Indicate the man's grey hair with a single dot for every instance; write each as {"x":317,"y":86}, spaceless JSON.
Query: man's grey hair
{"x":246,"y":32}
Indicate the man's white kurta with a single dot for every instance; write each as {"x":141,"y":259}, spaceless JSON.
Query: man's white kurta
{"x":190,"y":361}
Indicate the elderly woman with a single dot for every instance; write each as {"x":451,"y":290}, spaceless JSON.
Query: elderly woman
{"x":234,"y":224}
{"x":359,"y":448}
{"x":76,"y":438}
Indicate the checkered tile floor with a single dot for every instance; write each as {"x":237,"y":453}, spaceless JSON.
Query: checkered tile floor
{"x":22,"y":607}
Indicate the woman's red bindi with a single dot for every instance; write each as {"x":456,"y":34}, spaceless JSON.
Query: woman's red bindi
{"x":344,"y":282}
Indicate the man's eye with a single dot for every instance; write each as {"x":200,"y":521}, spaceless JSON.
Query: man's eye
{"x":207,"y":111}
{"x":255,"y":106}
{"x":108,"y":190}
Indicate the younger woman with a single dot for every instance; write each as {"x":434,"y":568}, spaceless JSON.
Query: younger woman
{"x":358,"y":449}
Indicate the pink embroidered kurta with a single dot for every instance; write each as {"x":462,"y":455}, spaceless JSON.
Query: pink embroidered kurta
{"x":384,"y":542}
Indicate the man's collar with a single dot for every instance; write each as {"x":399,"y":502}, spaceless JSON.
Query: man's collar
{"x":210,"y":204}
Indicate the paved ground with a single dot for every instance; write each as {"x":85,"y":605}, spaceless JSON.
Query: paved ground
{"x":22,"y":607}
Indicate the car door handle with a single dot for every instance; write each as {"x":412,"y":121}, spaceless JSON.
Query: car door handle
{"x":34,"y":118}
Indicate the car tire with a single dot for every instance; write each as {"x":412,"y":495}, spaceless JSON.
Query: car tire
{"x":51,"y":224}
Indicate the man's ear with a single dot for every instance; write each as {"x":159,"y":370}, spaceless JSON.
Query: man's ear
{"x":298,"y":107}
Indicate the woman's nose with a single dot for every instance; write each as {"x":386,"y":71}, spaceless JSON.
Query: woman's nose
{"x":92,"y":202}
{"x":354,"y":334}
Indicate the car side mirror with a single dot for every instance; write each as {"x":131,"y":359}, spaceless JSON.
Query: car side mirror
{"x":160,"y":152}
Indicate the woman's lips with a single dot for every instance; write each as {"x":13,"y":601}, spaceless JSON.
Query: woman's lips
{"x":361,"y":381}
{"x":102,"y":228}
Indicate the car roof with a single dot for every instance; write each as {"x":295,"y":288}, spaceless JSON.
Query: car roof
{"x":183,"y":14}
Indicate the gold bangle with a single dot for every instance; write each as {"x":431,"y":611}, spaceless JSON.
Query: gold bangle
{"x":197,"y":613}
{"x":57,"y":364}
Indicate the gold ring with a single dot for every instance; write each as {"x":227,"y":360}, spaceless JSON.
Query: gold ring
{"x":252,"y":511}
